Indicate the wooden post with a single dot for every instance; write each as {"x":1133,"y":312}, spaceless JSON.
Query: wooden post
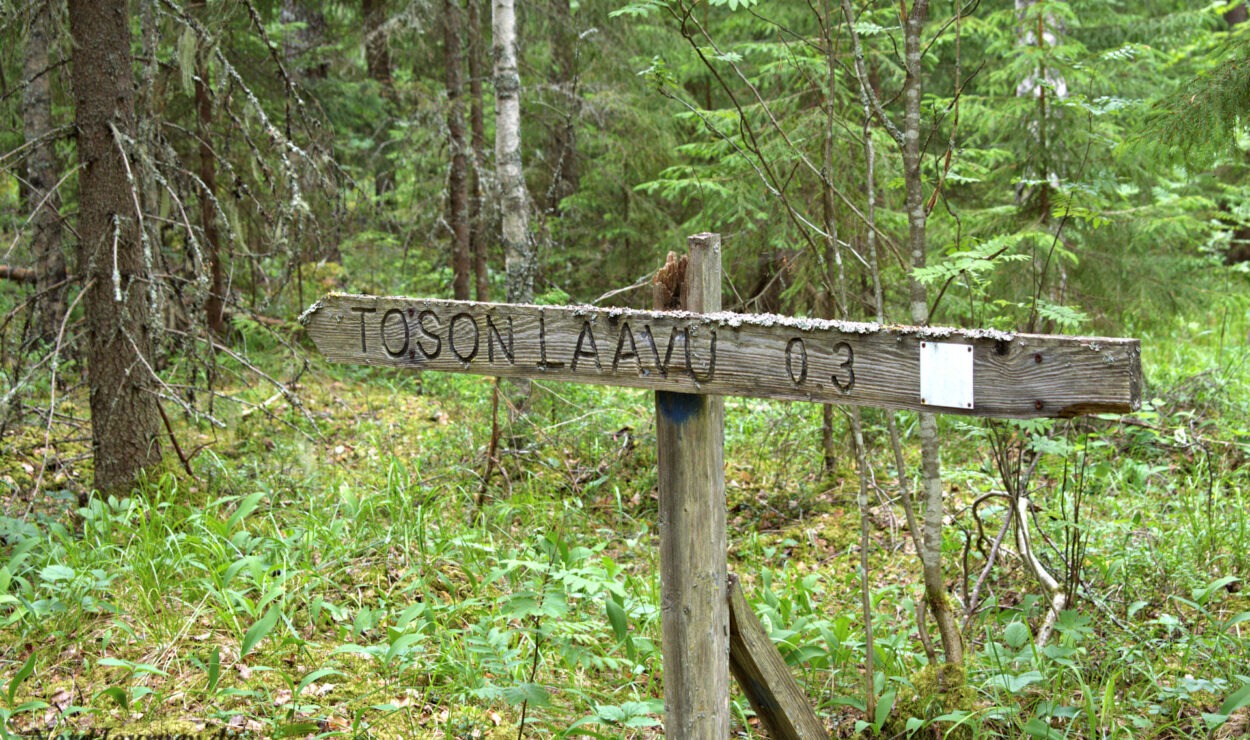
{"x":765,"y":678}
{"x":694,"y":612}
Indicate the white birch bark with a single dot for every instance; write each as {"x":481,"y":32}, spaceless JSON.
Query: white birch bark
{"x":519,"y":257}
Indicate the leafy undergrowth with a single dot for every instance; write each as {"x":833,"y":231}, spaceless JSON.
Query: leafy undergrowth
{"x":355,"y":567}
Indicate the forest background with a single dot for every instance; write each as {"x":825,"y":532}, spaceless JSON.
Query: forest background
{"x":206,"y":527}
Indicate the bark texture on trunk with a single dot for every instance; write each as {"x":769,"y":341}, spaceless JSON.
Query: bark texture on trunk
{"x":478,"y":231}
{"x":300,"y":46}
{"x":124,"y":414}
{"x":377,"y":50}
{"x":930,"y":465}
{"x":832,"y":254}
{"x":913,"y":177}
{"x":214,"y":305}
{"x":458,"y":178}
{"x":41,"y":174}
{"x":378,"y":67}
{"x":519,"y":257}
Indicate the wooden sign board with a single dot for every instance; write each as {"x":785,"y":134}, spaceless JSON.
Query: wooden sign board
{"x":972,"y":372}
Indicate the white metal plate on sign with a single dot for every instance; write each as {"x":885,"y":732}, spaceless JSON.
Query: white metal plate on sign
{"x":946,"y":375}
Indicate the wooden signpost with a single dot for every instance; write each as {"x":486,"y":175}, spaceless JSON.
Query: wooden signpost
{"x":1008,"y":375}
{"x":691,"y":358}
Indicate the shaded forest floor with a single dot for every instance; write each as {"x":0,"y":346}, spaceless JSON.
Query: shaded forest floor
{"x":346,"y":566}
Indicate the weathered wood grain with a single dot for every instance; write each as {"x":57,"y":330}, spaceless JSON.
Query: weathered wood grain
{"x":765,"y":678}
{"x":694,"y":610}
{"x":721,"y":353}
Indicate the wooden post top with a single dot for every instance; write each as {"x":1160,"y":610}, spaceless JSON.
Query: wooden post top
{"x":959,"y":371}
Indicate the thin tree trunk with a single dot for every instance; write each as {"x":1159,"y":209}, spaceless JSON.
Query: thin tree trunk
{"x":1039,"y":33}
{"x":214,"y":306}
{"x":930,"y":464}
{"x":41,"y":175}
{"x":836,"y":273}
{"x":458,"y":179}
{"x":878,"y":298}
{"x":519,"y":257}
{"x":478,"y":232}
{"x":828,"y":444}
{"x":566,"y":174}
{"x":149,"y":96}
{"x":125,"y":420}
{"x":1042,"y":33}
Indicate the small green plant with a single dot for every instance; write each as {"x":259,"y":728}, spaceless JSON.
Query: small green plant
{"x":627,"y":715}
{"x":11,"y":708}
{"x":126,"y":693}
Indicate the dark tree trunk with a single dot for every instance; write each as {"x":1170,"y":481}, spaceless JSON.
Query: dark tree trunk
{"x":149,"y":110}
{"x":124,"y":412}
{"x":301,"y":47}
{"x":378,"y":65}
{"x":1237,"y":14}
{"x":215,"y":305}
{"x":478,"y":230}
{"x":41,"y":175}
{"x":377,"y":50}
{"x":566,"y":175}
{"x":458,"y":180}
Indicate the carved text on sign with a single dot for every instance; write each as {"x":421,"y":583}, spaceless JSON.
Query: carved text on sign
{"x":726,"y":353}
{"x":421,"y":336}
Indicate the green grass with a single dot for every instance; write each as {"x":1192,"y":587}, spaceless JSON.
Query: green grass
{"x":346,"y":569}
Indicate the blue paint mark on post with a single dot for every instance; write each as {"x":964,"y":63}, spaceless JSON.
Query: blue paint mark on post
{"x":679,"y":407}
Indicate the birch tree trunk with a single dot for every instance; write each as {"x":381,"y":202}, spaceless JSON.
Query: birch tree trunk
{"x":41,"y":175}
{"x":124,"y":412}
{"x":520,"y":260}
{"x":917,"y":221}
